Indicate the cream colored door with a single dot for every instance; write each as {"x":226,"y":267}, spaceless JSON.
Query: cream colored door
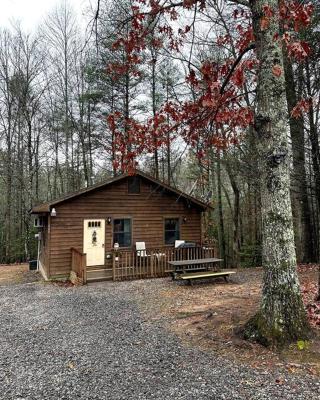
{"x":93,"y":241}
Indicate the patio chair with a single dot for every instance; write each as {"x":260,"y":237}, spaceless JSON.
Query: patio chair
{"x":179,"y":252}
{"x":178,"y":243}
{"x":141,"y":249}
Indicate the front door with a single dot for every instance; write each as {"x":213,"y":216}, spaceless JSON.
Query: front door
{"x":93,"y":241}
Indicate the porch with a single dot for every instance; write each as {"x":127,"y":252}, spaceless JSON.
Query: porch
{"x":130,"y":264}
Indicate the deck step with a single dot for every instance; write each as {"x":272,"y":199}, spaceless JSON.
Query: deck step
{"x":99,"y":274}
{"x":97,"y":267}
{"x":97,"y":279}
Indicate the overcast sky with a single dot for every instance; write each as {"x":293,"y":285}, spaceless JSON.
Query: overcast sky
{"x":31,"y":12}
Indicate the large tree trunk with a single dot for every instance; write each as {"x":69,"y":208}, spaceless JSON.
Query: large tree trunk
{"x":281,"y":318}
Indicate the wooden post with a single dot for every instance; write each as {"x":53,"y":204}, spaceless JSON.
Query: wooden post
{"x":84,"y":268}
{"x":72,"y":259}
{"x":113,"y":266}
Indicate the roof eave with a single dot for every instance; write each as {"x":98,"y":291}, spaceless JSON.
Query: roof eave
{"x":46,"y":207}
{"x":36,"y":210}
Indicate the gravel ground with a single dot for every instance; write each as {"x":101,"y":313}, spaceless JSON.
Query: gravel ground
{"x":93,"y":343}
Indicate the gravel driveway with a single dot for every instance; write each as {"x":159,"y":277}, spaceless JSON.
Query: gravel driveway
{"x":93,"y":343}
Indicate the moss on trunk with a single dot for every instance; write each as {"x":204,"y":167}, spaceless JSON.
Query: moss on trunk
{"x":277,"y":334}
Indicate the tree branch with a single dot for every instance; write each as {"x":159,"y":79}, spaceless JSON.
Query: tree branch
{"x":234,"y":66}
{"x":240,"y":2}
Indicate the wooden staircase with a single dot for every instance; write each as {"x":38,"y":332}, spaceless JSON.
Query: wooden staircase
{"x":98,"y":273}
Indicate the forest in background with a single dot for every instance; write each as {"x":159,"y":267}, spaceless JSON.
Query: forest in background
{"x":57,"y":93}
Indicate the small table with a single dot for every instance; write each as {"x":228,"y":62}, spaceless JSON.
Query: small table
{"x":180,"y":267}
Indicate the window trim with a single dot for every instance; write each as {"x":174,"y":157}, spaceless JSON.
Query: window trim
{"x":164,"y":228}
{"x":131,"y":231}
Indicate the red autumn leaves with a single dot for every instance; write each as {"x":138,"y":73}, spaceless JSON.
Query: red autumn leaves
{"x":214,"y":117}
{"x":301,"y":108}
{"x":266,"y":18}
{"x":277,"y":70}
{"x":294,"y":16}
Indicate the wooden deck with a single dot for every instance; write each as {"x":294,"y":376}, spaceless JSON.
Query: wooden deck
{"x":128,"y":264}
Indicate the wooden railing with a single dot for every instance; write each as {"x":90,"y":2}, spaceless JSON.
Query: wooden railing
{"x":79,"y":265}
{"x":153,"y":263}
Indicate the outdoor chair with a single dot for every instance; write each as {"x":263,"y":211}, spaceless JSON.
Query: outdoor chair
{"x":141,"y":249}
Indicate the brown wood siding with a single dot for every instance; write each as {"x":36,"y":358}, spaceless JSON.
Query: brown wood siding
{"x":147,"y":211}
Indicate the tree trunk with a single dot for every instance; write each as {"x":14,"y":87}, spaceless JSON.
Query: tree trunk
{"x":90,"y":161}
{"x":315,"y":152}
{"x":8,"y":199}
{"x":314,"y":140}
{"x":221,"y":236}
{"x":235,"y":212}
{"x":154,"y":111}
{"x":303,"y":229}
{"x":281,"y":318}
{"x":235,"y":217}
{"x":168,"y":141}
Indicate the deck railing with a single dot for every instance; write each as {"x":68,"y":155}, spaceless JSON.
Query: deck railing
{"x":79,"y":265}
{"x":153,"y":262}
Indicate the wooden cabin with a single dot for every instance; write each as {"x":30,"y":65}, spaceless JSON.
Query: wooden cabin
{"x":94,"y":232}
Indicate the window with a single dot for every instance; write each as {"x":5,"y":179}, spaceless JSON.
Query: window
{"x":94,"y":224}
{"x":134,"y":185}
{"x":122,"y":232}
{"x":39,"y":222}
{"x":171,"y":230}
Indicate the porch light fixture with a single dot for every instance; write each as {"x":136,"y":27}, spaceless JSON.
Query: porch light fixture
{"x":116,"y":246}
{"x":53,"y":212}
{"x":109,"y":220}
{"x":184,"y":219}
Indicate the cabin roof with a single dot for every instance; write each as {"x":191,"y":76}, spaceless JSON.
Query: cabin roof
{"x":46,"y":207}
